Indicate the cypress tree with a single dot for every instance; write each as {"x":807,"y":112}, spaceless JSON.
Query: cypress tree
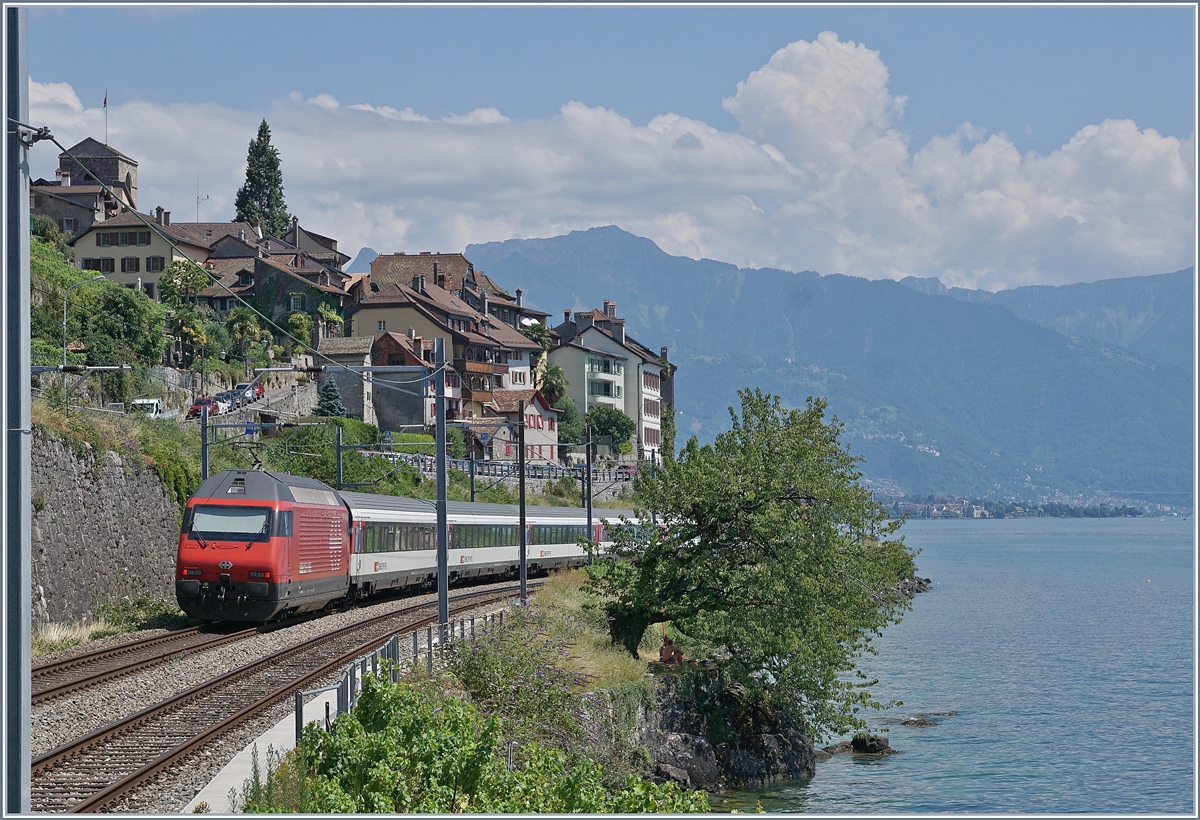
{"x":262,"y":195}
{"x":329,"y":400}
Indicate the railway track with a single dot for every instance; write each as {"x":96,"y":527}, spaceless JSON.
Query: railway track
{"x":53,"y":680}
{"x":95,"y":772}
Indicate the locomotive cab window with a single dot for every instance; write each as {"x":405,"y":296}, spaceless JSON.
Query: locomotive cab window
{"x":220,"y":523}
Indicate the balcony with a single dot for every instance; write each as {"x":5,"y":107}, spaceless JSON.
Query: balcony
{"x":481,"y":396}
{"x":499,"y":370}
{"x":472,"y":366}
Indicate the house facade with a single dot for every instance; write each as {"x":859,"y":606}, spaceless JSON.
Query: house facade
{"x":605,"y":365}
{"x":541,"y":427}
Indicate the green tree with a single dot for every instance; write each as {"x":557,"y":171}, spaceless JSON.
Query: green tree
{"x":261,"y":196}
{"x":329,"y":399}
{"x":769,"y":550}
{"x":538,"y":333}
{"x":299,"y":326}
{"x":456,"y":443}
{"x":132,"y":322}
{"x":180,"y":283}
{"x":243,"y":328}
{"x":570,"y":423}
{"x":552,"y":382}
{"x":668,"y":431}
{"x":609,"y":421}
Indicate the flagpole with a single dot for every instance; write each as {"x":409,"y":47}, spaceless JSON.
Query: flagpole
{"x":106,"y":116}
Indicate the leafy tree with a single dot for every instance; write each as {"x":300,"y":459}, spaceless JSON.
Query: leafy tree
{"x":552,"y":382}
{"x":243,"y":328}
{"x":768,"y":550}
{"x":299,"y":326}
{"x":609,"y":421}
{"x":132,"y":322}
{"x":668,"y":431}
{"x":261,"y":196}
{"x":329,"y":399}
{"x":456,"y":443}
{"x":570,"y":423}
{"x":180,"y":282}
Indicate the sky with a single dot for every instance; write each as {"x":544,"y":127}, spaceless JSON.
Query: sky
{"x":990,"y":147}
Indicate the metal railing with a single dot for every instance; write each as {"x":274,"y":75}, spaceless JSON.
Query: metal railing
{"x":503,"y":469}
{"x":387,"y":654}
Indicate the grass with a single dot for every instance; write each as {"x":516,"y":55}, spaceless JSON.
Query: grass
{"x":110,"y":618}
{"x":576,"y":614}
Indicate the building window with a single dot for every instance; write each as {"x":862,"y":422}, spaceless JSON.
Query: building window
{"x":245,"y":278}
{"x":515,"y":356}
{"x":381,"y":325}
{"x":68,"y":225}
{"x":37,"y":201}
{"x":143,"y":237}
{"x":650,"y":381}
{"x":155,"y":264}
{"x":103,"y":239}
{"x":123,"y":237}
{"x":104,"y":264}
{"x":130,"y":264}
{"x":296,"y":302}
{"x":651,"y":437}
{"x":650,"y":407}
{"x":517,"y":376}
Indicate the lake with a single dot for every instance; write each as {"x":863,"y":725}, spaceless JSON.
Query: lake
{"x":1065,"y":646}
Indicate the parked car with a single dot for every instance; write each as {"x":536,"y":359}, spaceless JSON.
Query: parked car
{"x":228,"y":400}
{"x":626,"y":471}
{"x":249,"y":392}
{"x":214,"y":407}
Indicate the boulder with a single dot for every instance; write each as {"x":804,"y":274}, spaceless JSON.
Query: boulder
{"x":870,"y":745}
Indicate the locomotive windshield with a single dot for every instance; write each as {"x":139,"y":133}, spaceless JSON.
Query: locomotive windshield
{"x":221,"y":523}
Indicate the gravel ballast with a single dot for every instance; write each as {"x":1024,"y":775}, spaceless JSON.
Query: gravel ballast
{"x":64,"y":719}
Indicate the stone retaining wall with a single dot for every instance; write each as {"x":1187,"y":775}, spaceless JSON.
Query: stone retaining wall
{"x":101,"y":529}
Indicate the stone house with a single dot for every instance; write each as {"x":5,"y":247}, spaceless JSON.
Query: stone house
{"x":541,"y":427}
{"x":354,"y":386}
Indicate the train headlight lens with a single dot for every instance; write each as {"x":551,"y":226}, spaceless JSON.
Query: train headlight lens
{"x":191,"y":573}
{"x":260,"y":574}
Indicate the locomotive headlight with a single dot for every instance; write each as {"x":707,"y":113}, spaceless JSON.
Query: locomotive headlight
{"x":260,"y":574}
{"x":191,"y":573}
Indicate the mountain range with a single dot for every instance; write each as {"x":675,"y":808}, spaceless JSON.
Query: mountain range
{"x":1030,"y":393}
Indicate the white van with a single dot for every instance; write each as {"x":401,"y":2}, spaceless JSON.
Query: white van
{"x":149,"y":407}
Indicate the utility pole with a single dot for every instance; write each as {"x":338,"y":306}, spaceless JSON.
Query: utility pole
{"x":472,"y":467}
{"x":524,"y":548}
{"x":203,"y":441}
{"x":443,"y":533}
{"x":338,"y":439}
{"x":589,"y":482}
{"x":17,"y":455}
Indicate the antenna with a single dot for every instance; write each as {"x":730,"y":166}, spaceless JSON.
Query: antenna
{"x":198,"y":198}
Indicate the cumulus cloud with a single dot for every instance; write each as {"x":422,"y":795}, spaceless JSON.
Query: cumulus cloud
{"x":819,"y":175}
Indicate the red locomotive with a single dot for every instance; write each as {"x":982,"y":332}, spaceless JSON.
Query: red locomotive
{"x":257,"y":544}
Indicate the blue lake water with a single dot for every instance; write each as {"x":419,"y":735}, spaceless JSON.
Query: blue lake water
{"x":1066,"y":648}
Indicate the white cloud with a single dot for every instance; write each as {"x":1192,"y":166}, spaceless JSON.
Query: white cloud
{"x":818,"y":176}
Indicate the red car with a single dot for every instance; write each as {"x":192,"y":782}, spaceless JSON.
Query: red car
{"x":213,"y":408}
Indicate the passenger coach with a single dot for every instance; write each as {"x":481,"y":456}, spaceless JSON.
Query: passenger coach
{"x":258,"y":545}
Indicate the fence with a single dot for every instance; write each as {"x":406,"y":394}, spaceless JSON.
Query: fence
{"x":349,"y":687}
{"x":504,"y":469}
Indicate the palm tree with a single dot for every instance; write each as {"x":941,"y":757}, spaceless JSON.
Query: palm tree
{"x":552,"y":383}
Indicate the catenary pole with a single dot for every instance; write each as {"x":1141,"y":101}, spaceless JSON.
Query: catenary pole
{"x":203,"y":441}
{"x":16,"y":400}
{"x":443,"y":534}
{"x":589,"y":482}
{"x":524,"y":547}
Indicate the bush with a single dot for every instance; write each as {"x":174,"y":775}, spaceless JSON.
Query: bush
{"x":413,"y":747}
{"x":140,"y":612}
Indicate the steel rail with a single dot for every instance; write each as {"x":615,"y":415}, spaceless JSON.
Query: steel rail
{"x":127,"y":728}
{"x":181,"y":643}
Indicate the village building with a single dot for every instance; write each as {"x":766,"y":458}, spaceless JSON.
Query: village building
{"x":541,"y":427}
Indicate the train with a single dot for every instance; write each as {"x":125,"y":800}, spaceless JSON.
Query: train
{"x":258,"y":546}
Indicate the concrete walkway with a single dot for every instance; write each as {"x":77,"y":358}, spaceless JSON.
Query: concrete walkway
{"x":281,"y":737}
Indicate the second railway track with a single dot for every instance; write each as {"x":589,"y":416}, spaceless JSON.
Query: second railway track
{"x":94,"y":772}
{"x":53,"y":680}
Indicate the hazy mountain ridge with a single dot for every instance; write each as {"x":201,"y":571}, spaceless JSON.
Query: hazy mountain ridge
{"x":938,"y":395}
{"x":1148,"y":315}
